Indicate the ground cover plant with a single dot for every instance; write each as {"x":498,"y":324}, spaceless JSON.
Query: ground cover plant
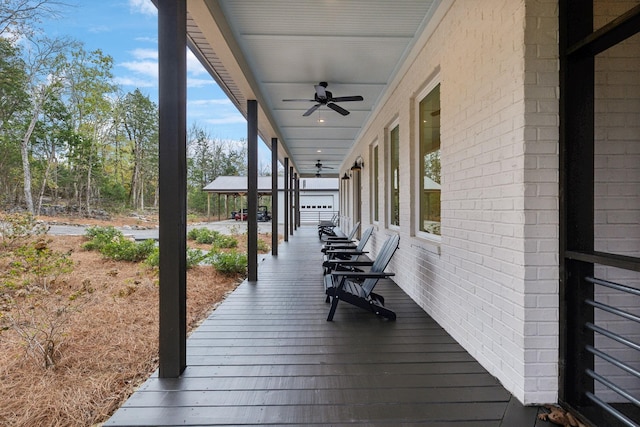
{"x":78,"y":338}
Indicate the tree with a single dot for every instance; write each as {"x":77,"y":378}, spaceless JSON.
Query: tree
{"x":17,"y":17}
{"x":88,"y":82}
{"x":209,"y":158}
{"x":13,"y":100}
{"x":45,"y":65}
{"x":51,"y":136}
{"x":140,"y":122}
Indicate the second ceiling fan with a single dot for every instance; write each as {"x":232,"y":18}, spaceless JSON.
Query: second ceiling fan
{"x":324,"y":97}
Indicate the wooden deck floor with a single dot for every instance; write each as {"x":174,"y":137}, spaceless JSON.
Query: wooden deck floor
{"x":267,"y":356}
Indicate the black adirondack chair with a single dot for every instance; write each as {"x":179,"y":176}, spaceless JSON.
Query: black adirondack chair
{"x":341,"y":242}
{"x":327,"y":226}
{"x":339,"y":237}
{"x":356,"y":287}
{"x":344,"y":252}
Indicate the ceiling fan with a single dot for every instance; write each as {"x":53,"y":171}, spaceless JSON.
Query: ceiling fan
{"x":324,"y":97}
{"x":319,"y":166}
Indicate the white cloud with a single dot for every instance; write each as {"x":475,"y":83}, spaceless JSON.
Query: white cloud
{"x":131,"y":81}
{"x":145,"y":53}
{"x":208,"y":102}
{"x":227,"y":119}
{"x":193,"y":65}
{"x":100,"y":29}
{"x":143,"y":6}
{"x":192,"y":82}
{"x":147,"y":39}
{"x":147,"y":68}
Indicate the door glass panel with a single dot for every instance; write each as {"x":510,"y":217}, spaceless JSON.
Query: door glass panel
{"x":617,"y":149}
{"x":605,"y":11}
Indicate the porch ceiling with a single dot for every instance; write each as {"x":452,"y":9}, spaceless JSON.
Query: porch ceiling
{"x":279,"y":49}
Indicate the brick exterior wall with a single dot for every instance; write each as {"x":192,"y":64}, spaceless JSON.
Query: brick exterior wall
{"x":491,"y":280}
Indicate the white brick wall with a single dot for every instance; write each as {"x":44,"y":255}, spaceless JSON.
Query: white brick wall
{"x":492,"y":278}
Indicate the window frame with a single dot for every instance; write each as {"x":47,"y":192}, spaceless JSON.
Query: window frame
{"x":418,"y":176}
{"x":374,"y":182}
{"x":395,"y":124}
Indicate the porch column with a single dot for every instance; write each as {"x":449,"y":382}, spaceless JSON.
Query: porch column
{"x":208,"y":206}
{"x":172,"y":94}
{"x":286,"y":199}
{"x":291,"y":200}
{"x":219,"y":206}
{"x":274,"y":196}
{"x":252,"y":190}
{"x":297,"y":204}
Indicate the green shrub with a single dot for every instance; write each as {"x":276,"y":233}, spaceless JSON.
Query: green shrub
{"x":101,"y":236}
{"x":229,"y":262}
{"x":203,"y":235}
{"x":224,"y":241}
{"x":263,"y":246}
{"x":194,"y":257}
{"x":37,"y":264}
{"x":193,"y":233}
{"x":123,"y":249}
{"x":153,"y":260}
{"x":111,"y":243}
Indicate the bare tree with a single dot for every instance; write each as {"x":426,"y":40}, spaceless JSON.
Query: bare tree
{"x":18,"y":17}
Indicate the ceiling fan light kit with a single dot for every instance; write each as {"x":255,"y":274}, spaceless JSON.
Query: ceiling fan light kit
{"x":324,"y":97}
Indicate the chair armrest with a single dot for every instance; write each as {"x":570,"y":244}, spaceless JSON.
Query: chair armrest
{"x":345,"y":252}
{"x":338,"y":239}
{"x":338,"y":246}
{"x":355,"y":263}
{"x":341,"y":244}
{"x":362,"y":274}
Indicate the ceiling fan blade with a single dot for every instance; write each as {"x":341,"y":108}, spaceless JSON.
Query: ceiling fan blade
{"x":321,"y":91}
{"x":299,"y":100}
{"x":311,"y":110}
{"x":337,"y":108}
{"x":347,"y":98}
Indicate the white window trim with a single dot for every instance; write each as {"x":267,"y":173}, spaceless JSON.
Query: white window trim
{"x":430,"y":239}
{"x":372,"y":178}
{"x":387,"y":173}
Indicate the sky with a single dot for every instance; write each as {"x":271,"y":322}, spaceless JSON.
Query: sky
{"x":127,"y":30}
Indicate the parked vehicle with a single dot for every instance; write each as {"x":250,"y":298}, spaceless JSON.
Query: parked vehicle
{"x":263,"y":214}
{"x":241,"y":215}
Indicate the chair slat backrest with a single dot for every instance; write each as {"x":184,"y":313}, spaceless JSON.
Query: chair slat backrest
{"x":363,"y":242}
{"x":382,"y":260}
{"x":353,"y":231}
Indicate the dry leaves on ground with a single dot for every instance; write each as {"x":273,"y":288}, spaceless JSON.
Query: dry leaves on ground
{"x":104,"y":317}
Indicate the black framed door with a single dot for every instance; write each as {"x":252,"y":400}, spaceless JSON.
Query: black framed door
{"x":600,"y":210}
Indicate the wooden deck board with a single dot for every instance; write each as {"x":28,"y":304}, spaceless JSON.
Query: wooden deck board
{"x":267,"y":356}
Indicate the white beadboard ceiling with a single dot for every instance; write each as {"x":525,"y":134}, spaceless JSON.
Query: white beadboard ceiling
{"x":270,"y":50}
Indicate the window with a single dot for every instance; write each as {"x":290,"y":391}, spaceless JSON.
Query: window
{"x":394,"y":176}
{"x":375,"y":202}
{"x":429,"y":140}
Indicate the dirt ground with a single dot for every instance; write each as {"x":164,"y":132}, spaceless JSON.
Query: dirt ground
{"x":99,"y":327}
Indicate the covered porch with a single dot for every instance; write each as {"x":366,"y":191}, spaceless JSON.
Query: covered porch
{"x":267,"y":356}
